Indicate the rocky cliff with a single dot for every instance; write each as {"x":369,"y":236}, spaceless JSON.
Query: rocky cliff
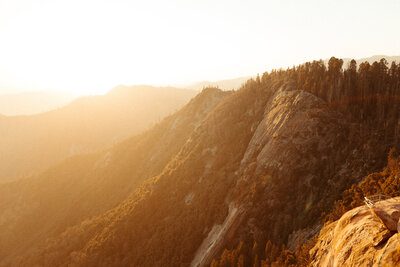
{"x":361,"y":238}
{"x":300,"y":145}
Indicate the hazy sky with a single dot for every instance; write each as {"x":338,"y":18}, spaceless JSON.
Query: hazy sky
{"x":89,"y":46}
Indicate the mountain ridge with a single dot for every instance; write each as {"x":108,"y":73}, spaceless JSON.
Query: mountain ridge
{"x":33,"y":142}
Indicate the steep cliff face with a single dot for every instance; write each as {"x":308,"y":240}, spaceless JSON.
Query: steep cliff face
{"x":302,"y":154}
{"x":297,"y":127}
{"x":274,"y":181}
{"x":359,"y":238}
{"x":291,"y":151}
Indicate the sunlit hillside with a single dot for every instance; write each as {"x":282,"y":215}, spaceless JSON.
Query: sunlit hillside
{"x":32,"y":143}
{"x":88,"y":185}
{"x":234,"y":178}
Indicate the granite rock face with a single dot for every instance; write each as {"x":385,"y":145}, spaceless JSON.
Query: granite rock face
{"x":359,"y":238}
{"x":294,"y":123}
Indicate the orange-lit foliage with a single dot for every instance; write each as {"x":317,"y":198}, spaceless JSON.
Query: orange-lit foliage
{"x":386,"y":182}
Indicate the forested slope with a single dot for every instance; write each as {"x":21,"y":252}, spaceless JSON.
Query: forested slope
{"x":256,"y":175}
{"x":45,"y":205}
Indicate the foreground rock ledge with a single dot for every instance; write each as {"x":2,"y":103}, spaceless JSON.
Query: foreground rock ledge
{"x":358,"y":238}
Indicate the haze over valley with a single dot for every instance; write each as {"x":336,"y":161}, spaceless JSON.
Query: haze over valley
{"x":87,"y":124}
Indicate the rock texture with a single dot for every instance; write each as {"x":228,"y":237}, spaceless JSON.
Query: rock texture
{"x":359,"y":238}
{"x":294,"y":121}
{"x":298,"y":146}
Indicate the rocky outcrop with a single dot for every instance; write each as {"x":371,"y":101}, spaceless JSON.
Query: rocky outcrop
{"x":297,"y":127}
{"x":298,"y":146}
{"x":359,"y":238}
{"x":283,"y":107}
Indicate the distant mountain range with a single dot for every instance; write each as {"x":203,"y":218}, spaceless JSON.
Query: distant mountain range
{"x":29,"y":103}
{"x":29,"y":143}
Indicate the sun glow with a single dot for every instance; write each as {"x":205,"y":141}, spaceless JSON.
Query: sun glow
{"x":88,"y":46}
{"x":86,"y":50}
